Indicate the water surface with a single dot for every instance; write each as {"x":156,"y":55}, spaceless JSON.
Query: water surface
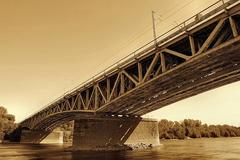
{"x":195,"y":149}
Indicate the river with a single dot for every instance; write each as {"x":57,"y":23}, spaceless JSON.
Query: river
{"x":193,"y":149}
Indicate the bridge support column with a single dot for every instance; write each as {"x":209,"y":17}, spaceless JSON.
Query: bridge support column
{"x":114,"y":133}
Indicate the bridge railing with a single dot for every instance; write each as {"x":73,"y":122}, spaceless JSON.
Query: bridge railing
{"x":214,"y":9}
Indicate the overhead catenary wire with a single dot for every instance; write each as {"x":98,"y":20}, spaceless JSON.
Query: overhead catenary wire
{"x":148,"y":28}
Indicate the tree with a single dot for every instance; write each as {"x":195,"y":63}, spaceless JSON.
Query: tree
{"x":3,"y":111}
{"x":214,"y":131}
{"x":7,"y":124}
{"x":178,"y":130}
{"x":205,"y":131}
{"x":164,"y":129}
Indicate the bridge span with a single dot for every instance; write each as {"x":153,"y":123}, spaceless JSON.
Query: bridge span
{"x":200,"y":54}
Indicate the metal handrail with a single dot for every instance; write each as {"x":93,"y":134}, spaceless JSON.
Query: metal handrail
{"x":183,"y":26}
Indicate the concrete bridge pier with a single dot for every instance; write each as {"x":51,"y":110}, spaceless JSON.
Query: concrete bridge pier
{"x":107,"y":133}
{"x":114,"y":133}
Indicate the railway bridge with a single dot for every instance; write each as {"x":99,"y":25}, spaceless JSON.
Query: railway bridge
{"x":198,"y":55}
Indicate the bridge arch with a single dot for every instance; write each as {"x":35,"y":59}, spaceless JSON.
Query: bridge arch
{"x":202,"y":55}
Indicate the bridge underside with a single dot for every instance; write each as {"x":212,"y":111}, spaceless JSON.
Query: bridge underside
{"x":217,"y":67}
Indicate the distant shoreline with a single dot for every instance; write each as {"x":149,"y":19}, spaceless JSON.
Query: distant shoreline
{"x":162,"y":141}
{"x":189,"y":128}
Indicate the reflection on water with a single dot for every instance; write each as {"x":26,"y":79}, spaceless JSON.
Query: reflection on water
{"x":203,"y":149}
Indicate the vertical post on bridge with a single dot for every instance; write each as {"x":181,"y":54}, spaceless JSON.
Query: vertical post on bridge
{"x":154,"y":29}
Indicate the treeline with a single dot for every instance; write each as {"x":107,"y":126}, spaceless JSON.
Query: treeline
{"x":194,"y":129}
{"x":7,"y":124}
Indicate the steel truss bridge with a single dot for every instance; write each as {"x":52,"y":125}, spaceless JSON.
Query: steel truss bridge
{"x":198,"y":55}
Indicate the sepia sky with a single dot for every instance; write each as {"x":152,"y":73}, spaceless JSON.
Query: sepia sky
{"x":50,"y":46}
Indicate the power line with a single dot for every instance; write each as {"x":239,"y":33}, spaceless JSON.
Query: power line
{"x":148,"y":27}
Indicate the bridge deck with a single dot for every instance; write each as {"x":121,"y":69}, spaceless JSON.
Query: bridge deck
{"x":202,"y":55}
